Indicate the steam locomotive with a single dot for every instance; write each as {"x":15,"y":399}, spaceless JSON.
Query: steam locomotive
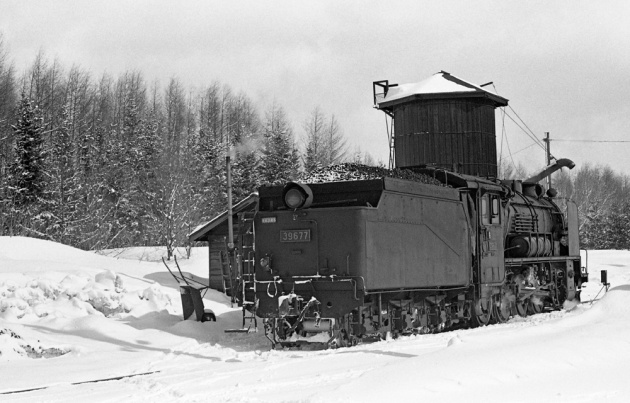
{"x":347,"y":262}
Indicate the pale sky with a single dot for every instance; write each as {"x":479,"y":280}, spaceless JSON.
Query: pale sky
{"x":563,"y":65}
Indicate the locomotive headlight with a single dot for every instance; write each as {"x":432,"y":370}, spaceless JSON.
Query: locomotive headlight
{"x":296,"y":195}
{"x":294,"y":198}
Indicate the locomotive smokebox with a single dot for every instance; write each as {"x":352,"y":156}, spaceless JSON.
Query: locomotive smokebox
{"x":442,"y":122}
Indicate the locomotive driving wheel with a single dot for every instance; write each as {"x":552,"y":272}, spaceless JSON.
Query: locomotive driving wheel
{"x":339,"y":336}
{"x":501,"y":307}
{"x":482,"y":314}
{"x":535,"y":306}
{"x":521,"y":307}
{"x":520,"y":304}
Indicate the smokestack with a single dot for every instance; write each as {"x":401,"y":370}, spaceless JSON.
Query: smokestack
{"x":559,"y":164}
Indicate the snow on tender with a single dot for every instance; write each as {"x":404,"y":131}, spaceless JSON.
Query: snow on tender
{"x":69,"y":317}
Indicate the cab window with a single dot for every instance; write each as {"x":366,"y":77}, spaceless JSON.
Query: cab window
{"x":490,"y":209}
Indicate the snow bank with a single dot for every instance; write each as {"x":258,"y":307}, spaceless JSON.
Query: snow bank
{"x":44,"y":285}
{"x":103,"y":294}
{"x":27,"y":299}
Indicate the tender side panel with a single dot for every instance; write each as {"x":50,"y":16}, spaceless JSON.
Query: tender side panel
{"x":417,"y":242}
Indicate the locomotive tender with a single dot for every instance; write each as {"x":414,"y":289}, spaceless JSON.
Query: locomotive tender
{"x":346,"y":262}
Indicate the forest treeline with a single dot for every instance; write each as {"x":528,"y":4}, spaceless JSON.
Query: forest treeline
{"x":118,"y":161}
{"x":105,"y":162}
{"x":603,"y":199}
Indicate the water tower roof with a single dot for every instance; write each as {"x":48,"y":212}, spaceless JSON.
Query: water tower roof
{"x":441,"y":85}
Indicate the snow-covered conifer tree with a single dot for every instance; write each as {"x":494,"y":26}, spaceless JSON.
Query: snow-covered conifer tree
{"x":315,"y":155}
{"x":335,"y":142}
{"x":27,"y":170}
{"x":325,"y":144}
{"x":26,"y":180}
{"x":280,"y":160}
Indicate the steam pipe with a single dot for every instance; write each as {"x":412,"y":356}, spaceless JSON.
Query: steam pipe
{"x":229,"y":200}
{"x":559,"y":164}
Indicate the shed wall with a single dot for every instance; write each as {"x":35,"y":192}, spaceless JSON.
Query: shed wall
{"x":456,"y":134}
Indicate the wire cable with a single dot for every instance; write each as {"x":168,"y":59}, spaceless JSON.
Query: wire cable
{"x":510,"y":152}
{"x":531,"y":133}
{"x":591,"y":141}
{"x":528,"y":132}
{"x":525,"y":124}
{"x":532,"y":137}
{"x":503,"y":138}
{"x":522,"y":149}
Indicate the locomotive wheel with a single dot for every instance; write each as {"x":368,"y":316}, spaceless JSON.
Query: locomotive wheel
{"x":339,"y":338}
{"x":535,"y":306}
{"x":521,"y":307}
{"x":482,"y":313}
{"x":501,"y":307}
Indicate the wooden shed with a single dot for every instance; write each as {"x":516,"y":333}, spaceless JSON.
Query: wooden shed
{"x":215,"y":233}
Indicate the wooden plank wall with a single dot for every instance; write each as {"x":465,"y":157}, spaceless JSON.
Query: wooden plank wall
{"x":453,"y":134}
{"x":216,"y":270}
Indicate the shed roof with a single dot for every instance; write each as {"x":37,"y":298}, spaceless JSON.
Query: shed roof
{"x":218,"y":225}
{"x":439,"y":86}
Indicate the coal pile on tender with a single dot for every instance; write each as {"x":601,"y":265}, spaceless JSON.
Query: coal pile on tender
{"x":355,"y":172}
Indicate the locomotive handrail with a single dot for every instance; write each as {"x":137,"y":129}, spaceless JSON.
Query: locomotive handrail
{"x":270,"y":281}
{"x":535,"y":259}
{"x":436,"y":288}
{"x":355,"y":285}
{"x":309,"y":279}
{"x":276,"y":280}
{"x":314,"y":276}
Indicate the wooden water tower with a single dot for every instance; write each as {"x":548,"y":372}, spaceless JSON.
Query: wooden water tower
{"x":442,"y":122}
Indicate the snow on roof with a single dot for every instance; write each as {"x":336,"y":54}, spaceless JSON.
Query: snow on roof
{"x":439,"y":85}
{"x":202,"y":229}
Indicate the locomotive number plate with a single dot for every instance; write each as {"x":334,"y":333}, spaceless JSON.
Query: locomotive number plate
{"x":295,"y":235}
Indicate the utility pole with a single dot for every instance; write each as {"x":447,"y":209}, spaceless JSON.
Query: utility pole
{"x":547,"y":141}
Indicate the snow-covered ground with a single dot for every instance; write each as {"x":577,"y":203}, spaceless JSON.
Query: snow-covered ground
{"x":69,"y":317}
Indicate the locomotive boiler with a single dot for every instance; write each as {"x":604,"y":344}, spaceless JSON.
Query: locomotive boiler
{"x":450,"y":246}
